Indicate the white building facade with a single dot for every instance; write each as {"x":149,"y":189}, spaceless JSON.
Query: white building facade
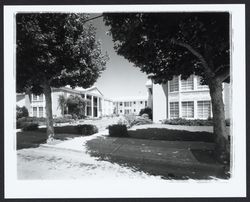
{"x":96,"y":106}
{"x":183,"y":99}
{"x":130,"y":105}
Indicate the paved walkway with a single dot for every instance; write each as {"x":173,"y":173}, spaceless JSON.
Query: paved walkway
{"x":69,"y":160}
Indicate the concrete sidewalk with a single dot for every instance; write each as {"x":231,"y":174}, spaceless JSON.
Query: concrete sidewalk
{"x":172,"y":159}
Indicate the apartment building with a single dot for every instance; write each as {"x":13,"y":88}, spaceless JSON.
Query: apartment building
{"x":183,"y":99}
{"x":96,"y":107}
{"x":130,"y":105}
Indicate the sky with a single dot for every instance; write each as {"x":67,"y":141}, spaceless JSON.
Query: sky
{"x":121,"y":78}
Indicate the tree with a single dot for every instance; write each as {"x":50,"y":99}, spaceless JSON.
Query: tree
{"x":76,"y":105}
{"x":62,"y":103}
{"x":55,"y":50}
{"x":169,"y":44}
{"x":21,"y":112}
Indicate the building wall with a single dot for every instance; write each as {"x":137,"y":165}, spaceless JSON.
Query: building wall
{"x":164,"y":101}
{"x":130,"y":106}
{"x":159,"y":102}
{"x":108,"y":107}
{"x":97,"y":105}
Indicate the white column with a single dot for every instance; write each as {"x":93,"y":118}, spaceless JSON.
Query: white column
{"x":92,"y":105}
{"x":195,"y":110}
{"x":85,"y":108}
{"x":195,"y":82}
{"x":98,"y":103}
{"x":179,"y":93}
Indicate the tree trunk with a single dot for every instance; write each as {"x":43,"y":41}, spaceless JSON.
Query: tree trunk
{"x":49,"y":116}
{"x":222,"y":148}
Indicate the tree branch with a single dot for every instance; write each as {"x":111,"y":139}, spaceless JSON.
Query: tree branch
{"x":207,"y":70}
{"x":222,"y":77}
{"x":93,"y":18}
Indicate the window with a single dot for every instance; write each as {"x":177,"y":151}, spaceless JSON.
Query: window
{"x":188,"y":109}
{"x":204,"y":109}
{"x":120,"y":103}
{"x":174,"y":84}
{"x":40,"y":111}
{"x":187,"y":84}
{"x":146,"y":103}
{"x":199,"y":86}
{"x":34,"y":111}
{"x":141,"y":102}
{"x":174,"y":110}
{"x":134,"y":110}
{"x":120,"y":111}
{"x":134,"y":103}
{"x":126,"y":104}
{"x":127,"y":111}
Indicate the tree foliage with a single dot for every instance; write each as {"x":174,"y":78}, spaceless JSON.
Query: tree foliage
{"x":166,"y":44}
{"x":76,"y":105}
{"x":57,"y":48}
{"x":170,"y":44}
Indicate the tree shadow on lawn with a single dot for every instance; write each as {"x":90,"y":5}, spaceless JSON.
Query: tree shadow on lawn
{"x":171,"y":135}
{"x":206,"y":161}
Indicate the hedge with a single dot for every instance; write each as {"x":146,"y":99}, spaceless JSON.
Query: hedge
{"x":85,"y":129}
{"x":30,"y":126}
{"x":193,"y":122}
{"x":188,"y":122}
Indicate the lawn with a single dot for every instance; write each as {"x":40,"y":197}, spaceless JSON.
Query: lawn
{"x":171,"y":135}
{"x":28,"y":139}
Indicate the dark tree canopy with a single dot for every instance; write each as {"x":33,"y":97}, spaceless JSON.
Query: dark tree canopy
{"x":157,"y":42}
{"x":56,"y":48}
{"x":170,"y":44}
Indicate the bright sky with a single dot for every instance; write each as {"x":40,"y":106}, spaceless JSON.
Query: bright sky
{"x":121,"y":78}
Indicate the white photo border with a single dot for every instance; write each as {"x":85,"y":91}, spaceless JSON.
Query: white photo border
{"x":234,"y":187}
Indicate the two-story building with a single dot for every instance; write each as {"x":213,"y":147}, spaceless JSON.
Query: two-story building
{"x":96,"y":106}
{"x":183,"y":99}
{"x":130,"y":105}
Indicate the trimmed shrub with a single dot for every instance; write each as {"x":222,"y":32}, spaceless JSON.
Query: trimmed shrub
{"x":87,"y":129}
{"x":145,"y":116}
{"x":141,"y":121}
{"x":27,"y":120}
{"x":147,"y":111}
{"x":118,"y":130}
{"x":21,"y":112}
{"x":67,"y":116}
{"x":187,"y":122}
{"x":30,"y":126}
{"x":63,"y":120}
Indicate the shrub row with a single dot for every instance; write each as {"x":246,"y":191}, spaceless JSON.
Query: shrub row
{"x":85,"y":129}
{"x":29,"y":126}
{"x":187,"y":122}
{"x":24,"y":121}
{"x":194,"y":122}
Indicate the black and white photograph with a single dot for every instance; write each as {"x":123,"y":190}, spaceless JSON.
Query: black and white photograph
{"x":143,"y":101}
